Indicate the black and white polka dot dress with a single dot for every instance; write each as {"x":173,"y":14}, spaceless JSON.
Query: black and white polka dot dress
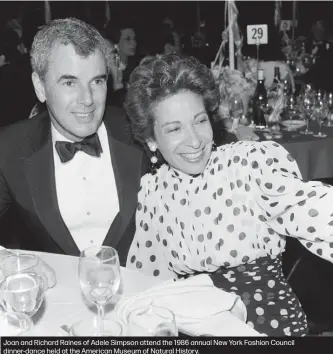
{"x":231,"y":221}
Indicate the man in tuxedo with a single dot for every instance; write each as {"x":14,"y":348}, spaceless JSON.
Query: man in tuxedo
{"x":70,"y":173}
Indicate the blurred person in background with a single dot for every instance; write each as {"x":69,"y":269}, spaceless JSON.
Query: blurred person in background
{"x":169,"y":41}
{"x":321,"y":48}
{"x":15,"y":82}
{"x":122,"y":39}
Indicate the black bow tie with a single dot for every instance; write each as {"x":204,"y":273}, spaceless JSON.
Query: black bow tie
{"x":90,"y":145}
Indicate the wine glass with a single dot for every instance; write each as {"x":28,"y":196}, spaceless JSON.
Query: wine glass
{"x":99,"y":274}
{"x":236,"y":110}
{"x":91,"y":328}
{"x":291,"y":109}
{"x":152,"y":321}
{"x":329,"y":99}
{"x":267,"y":110}
{"x":320,"y":111}
{"x":306,"y":104}
{"x":21,"y":289}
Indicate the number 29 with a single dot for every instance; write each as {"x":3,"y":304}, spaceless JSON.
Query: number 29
{"x":257,"y":33}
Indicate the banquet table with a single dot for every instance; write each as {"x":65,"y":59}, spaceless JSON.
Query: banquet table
{"x":65,"y":305}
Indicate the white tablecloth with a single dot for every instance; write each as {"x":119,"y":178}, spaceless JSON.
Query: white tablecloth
{"x":64,"y":304}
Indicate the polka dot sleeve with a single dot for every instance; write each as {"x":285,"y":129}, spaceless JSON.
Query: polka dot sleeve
{"x":146,"y":254}
{"x":290,"y":206}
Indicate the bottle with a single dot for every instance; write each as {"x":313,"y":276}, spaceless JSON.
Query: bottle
{"x":259,"y":98}
{"x":277,"y":78}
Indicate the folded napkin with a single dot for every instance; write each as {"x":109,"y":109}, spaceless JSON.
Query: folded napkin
{"x":44,"y":269}
{"x":246,"y":133}
{"x":197,"y":305}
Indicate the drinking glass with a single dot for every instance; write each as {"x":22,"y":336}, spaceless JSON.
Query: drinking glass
{"x":320,"y":111}
{"x":306,"y":104}
{"x":291,"y":108}
{"x":21,"y":295}
{"x":329,"y":99}
{"x":91,"y":328}
{"x":152,"y":321}
{"x":236,"y":110}
{"x":99,"y":274}
{"x":267,"y":110}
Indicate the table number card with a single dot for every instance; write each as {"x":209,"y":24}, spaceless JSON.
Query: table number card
{"x":257,"y":34}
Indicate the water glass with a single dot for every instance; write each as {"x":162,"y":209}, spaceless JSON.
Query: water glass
{"x":291,"y":108}
{"x":320,"y":111}
{"x":152,"y":321}
{"x":99,"y":274}
{"x":267,"y":110}
{"x":91,"y":328}
{"x":307,"y":102}
{"x":21,"y":296}
{"x":236,"y":110}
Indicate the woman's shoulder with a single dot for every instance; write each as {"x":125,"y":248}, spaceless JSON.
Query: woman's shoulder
{"x":253,"y":147}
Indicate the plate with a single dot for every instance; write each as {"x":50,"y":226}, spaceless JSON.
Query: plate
{"x":294,"y":124}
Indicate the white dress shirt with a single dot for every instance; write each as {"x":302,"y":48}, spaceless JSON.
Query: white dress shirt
{"x":87,"y":192}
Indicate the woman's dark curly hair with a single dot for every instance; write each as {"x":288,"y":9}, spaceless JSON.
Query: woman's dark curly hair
{"x":157,"y":78}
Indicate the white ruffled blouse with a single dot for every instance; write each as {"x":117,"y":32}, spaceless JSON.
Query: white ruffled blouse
{"x":248,"y":199}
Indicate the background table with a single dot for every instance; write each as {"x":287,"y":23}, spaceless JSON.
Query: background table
{"x":313,"y":155}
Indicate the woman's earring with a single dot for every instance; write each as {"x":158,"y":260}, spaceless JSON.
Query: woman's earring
{"x":153,"y":160}
{"x":214,"y":147}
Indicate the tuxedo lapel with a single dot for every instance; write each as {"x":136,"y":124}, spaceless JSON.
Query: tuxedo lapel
{"x":127,"y":167}
{"x":40,"y":173}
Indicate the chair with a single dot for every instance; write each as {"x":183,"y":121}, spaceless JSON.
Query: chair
{"x":311,"y":279}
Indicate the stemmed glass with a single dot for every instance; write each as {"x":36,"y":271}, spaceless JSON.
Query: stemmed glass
{"x":152,"y":321}
{"x":291,"y":108}
{"x":320,"y":111}
{"x":266,"y":110}
{"x":306,"y":104}
{"x":330,"y":109}
{"x":21,"y":289}
{"x":236,"y":110}
{"x":99,"y":274}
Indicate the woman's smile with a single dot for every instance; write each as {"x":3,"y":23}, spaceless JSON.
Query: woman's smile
{"x":193,"y":156}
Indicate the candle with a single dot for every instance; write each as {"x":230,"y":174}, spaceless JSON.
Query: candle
{"x":231,"y":37}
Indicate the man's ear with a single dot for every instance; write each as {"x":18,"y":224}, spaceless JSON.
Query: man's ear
{"x":151,"y":144}
{"x":39,"y":86}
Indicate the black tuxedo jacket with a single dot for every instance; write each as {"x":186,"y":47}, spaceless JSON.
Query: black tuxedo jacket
{"x":27,"y":183}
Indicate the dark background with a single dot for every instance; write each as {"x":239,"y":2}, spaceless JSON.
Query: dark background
{"x":149,"y":14}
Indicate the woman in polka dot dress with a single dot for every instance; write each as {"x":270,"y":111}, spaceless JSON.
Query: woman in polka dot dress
{"x":223,"y":211}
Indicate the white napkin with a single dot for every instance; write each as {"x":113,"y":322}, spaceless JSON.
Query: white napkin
{"x":199,"y":307}
{"x":246,"y":133}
